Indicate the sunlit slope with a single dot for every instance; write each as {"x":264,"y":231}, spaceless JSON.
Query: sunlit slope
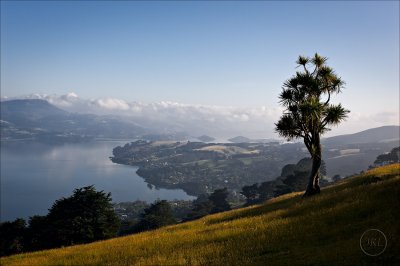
{"x":289,"y":230}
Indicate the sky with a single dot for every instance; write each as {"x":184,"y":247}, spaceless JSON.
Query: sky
{"x":235,"y":54}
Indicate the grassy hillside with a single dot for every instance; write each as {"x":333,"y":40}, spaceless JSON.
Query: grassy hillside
{"x":289,"y":230}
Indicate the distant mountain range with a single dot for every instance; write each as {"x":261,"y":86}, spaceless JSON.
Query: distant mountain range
{"x":373,"y":135}
{"x":379,"y":134}
{"x":37,"y":119}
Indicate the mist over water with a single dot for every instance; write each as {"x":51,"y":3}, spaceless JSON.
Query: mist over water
{"x":34,"y":175}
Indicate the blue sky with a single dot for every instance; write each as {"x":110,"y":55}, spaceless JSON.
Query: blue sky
{"x":215,"y":53}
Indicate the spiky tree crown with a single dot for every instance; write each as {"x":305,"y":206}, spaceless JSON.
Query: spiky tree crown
{"x":306,"y":112}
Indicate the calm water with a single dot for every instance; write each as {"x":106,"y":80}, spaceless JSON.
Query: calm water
{"x":34,"y":175}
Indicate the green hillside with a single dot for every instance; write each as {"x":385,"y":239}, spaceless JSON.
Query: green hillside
{"x":289,"y":230}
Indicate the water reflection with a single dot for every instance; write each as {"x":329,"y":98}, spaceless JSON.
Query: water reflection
{"x":34,"y":175}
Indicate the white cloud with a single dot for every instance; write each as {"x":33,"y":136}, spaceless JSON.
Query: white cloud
{"x":112,"y":104}
{"x":217,"y":121}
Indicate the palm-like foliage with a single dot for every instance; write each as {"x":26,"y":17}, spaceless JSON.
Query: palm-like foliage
{"x":306,"y":97}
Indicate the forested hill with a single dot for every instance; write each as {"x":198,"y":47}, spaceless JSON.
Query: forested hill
{"x":289,"y":230}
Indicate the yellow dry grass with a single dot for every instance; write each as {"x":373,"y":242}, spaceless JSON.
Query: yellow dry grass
{"x":289,"y":230}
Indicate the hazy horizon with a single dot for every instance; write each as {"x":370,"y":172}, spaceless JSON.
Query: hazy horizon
{"x":219,"y":62}
{"x":218,"y":121}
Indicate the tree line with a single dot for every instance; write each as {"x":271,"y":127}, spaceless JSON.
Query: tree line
{"x":88,"y":216}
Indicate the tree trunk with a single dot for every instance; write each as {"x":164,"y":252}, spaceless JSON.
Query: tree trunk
{"x":313,"y":182}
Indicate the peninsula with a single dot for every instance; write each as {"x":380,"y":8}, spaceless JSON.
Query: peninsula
{"x":199,"y":168}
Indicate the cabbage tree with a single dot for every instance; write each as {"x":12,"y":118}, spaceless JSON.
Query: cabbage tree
{"x":309,"y":112}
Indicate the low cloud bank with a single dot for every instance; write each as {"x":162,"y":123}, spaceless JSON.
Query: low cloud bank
{"x":217,"y":121}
